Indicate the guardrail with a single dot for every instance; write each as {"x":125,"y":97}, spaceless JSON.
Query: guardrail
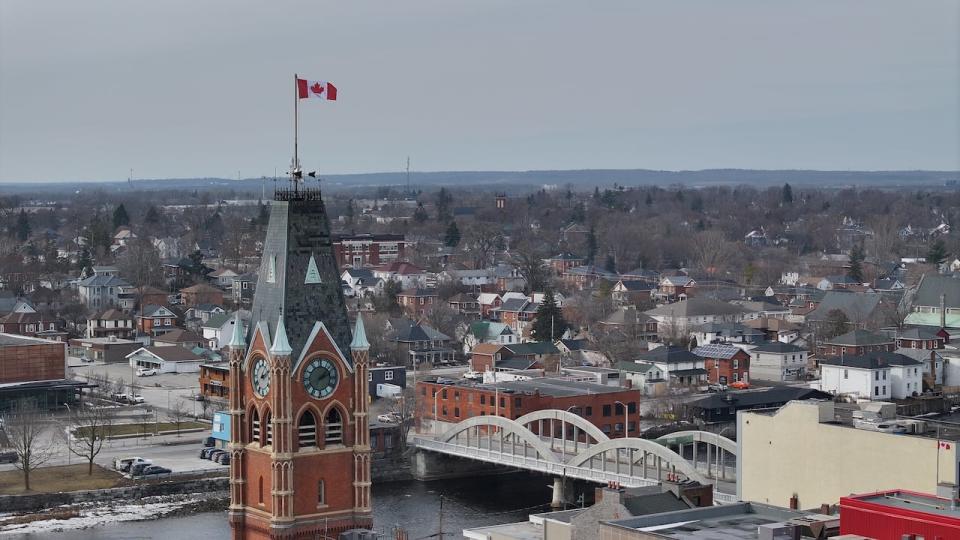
{"x":498,"y":457}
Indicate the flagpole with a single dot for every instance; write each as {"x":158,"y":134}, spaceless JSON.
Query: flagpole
{"x":296,"y":129}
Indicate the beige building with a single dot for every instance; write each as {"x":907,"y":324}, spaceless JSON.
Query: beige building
{"x":802,"y":450}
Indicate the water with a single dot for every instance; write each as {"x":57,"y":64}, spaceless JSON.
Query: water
{"x":469,"y":502}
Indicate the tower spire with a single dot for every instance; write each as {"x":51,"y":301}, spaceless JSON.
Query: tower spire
{"x":359,"y":336}
{"x":236,"y":340}
{"x":281,"y":345}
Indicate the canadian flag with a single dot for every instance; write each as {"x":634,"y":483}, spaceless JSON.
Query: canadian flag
{"x":316,"y":89}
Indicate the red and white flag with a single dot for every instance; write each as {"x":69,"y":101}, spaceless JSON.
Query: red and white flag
{"x":316,"y":89}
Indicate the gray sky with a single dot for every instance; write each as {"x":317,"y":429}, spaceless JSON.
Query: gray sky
{"x":182,"y":88}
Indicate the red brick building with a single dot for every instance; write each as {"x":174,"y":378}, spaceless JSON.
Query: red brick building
{"x":597,"y":403}
{"x":359,"y":250}
{"x":724,"y":363}
{"x":417,"y":302}
{"x":856,"y":343}
{"x":201,"y":293}
{"x":564,"y":261}
{"x":156,"y":320}
{"x":25,"y":359}
{"x":215,"y":381}
{"x":921,"y":338}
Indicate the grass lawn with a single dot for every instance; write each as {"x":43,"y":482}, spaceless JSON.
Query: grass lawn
{"x":130,"y":429}
{"x":61,"y":478}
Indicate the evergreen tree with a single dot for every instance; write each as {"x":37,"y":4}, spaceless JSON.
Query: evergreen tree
{"x":835,"y":324}
{"x":591,"y":246}
{"x":856,"y":263}
{"x":596,"y":193}
{"x":549,"y":323}
{"x":452,"y":238}
{"x":579,"y":213}
{"x":120,"y":217}
{"x":84,"y":261}
{"x":937,"y":253}
{"x":153,"y":217}
{"x":420,"y":214}
{"x":610,"y":265}
{"x":22,"y":228}
{"x":787,"y":194}
{"x":444,"y":199}
{"x":649,"y":199}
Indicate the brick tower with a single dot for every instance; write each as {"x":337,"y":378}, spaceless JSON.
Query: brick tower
{"x":300,"y":445}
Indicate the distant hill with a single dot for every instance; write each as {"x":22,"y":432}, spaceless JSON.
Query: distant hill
{"x":519,"y":180}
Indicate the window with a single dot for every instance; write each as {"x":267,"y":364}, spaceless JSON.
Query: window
{"x":483,"y":399}
{"x":255,"y":426}
{"x":388,"y":375}
{"x":876,"y":390}
{"x":333,"y":426}
{"x":606,"y":428}
{"x":503,"y":402}
{"x":618,"y":408}
{"x":631,"y":427}
{"x":260,"y":490}
{"x":268,"y":428}
{"x":307,"y":430}
{"x":884,"y":389}
{"x":444,"y":410}
{"x":589,"y":410}
{"x":736,"y":363}
{"x":456,"y":412}
{"x":884,"y":374}
{"x":631,"y":407}
{"x":444,"y":394}
{"x":321,"y":493}
{"x":618,"y":427}
{"x":517,"y":402}
{"x":876,"y":375}
{"x":606,"y":410}
{"x":456,"y":396}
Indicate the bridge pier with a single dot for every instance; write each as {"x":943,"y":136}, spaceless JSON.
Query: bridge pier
{"x":426,"y":466}
{"x":558,"y":499}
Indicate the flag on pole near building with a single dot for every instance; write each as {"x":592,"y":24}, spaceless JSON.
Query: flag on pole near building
{"x":316,"y":89}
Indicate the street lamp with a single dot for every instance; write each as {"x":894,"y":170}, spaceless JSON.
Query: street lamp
{"x":626,"y":418}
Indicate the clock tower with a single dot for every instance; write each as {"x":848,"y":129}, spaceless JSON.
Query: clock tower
{"x":300,"y":444}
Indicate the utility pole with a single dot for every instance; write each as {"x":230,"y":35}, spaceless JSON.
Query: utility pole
{"x":440,"y":532}
{"x":408,"y":176}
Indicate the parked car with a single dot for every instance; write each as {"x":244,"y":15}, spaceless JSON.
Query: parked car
{"x":123,"y":464}
{"x":224,"y":458}
{"x":137,"y":468}
{"x":717,"y":388}
{"x":8,"y":457}
{"x":209,"y":442}
{"x":136,"y":398}
{"x":740,"y":385}
{"x":143,"y":372}
{"x":199,"y":397}
{"x":216,"y":453}
{"x":390,"y":418}
{"x":207,"y":453}
{"x":155,"y":469}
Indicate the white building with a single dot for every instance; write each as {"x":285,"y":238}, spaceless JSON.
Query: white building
{"x":165,"y":359}
{"x":679,"y":318}
{"x":218,"y":330}
{"x":777,"y":361}
{"x":105,"y":289}
{"x":875,"y":376}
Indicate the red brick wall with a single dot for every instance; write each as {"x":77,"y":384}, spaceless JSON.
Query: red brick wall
{"x":726,"y":370}
{"x":35,"y":362}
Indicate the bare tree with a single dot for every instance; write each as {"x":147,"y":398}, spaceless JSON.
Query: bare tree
{"x":403,"y":408}
{"x":25,"y":426}
{"x":483,"y":240}
{"x":177,"y":415}
{"x":90,"y":428}
{"x":145,"y":416}
{"x":711,"y":251}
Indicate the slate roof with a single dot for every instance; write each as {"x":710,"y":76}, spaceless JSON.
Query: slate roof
{"x":179,"y":335}
{"x":728,"y":329}
{"x":519,"y":363}
{"x":696,"y":307}
{"x":566,"y":257}
{"x":103,"y":281}
{"x":627,"y":315}
{"x":487,"y":329}
{"x":217,"y":321}
{"x":201,"y":288}
{"x":719,"y":351}
{"x":634,"y":367}
{"x":532,"y":347}
{"x":576,"y":344}
{"x":169,"y":354}
{"x":876,"y":360}
{"x":637,"y":285}
{"x":777,"y":347}
{"x":858,"y":338}
{"x":670,"y":355}
{"x":151,"y":310}
{"x":112,"y":315}
{"x":407,"y":331}
{"x":932,"y":286}
{"x":513,"y":304}
{"x":857,"y":306}
{"x":917,"y":333}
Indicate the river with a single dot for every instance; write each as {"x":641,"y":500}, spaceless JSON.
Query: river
{"x":415,"y":506}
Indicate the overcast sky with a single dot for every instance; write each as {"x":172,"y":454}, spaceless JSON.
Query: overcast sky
{"x":182,"y":88}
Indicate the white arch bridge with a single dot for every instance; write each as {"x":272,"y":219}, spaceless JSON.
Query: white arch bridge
{"x":566,"y":445}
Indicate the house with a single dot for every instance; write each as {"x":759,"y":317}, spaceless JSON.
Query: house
{"x":485,"y":356}
{"x":201,"y":293}
{"x":215,"y":380}
{"x":418,"y":343}
{"x":562,"y":262}
{"x":361,"y":282}
{"x":165,"y":359}
{"x":644,"y":376}
{"x":888,"y":284}
{"x":678,"y":365}
{"x":830,"y":283}
{"x":178,"y":337}
{"x":223,"y":277}
{"x":476,"y":279}
{"x":775,"y":329}
{"x":408,"y":275}
{"x":855,"y":343}
{"x":919,"y":337}
{"x":726,"y":333}
{"x":155,"y":320}
{"x":758,"y":309}
{"x":627,"y":292}
{"x":876,"y":376}
{"x":857,"y":307}
{"x":723,"y":407}
{"x":218,"y":330}
{"x":724,"y":363}
{"x":123,"y":238}
{"x":110,"y":350}
{"x":488,"y":302}
{"x":358,"y":250}
{"x":105,"y":289}
{"x":487,"y":332}
{"x":203,"y":312}
{"x":33,"y":324}
{"x":509,"y":278}
{"x":580,"y":352}
{"x":777,"y":361}
{"x":586,"y":276}
{"x":936,"y":302}
{"x":516,"y":357}
{"x":151,"y":295}
{"x":936,"y":364}
{"x":111,"y":322}
{"x":243,"y":288}
{"x":632,"y":322}
{"x":516,"y":313}
{"x":678,"y":318}
{"x":465,"y":304}
{"x":673,"y":288}
{"x":417,"y":302}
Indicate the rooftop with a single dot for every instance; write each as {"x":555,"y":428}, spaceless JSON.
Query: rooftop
{"x":875,"y":360}
{"x":16,"y":340}
{"x":908,"y":500}
{"x":547,"y":386}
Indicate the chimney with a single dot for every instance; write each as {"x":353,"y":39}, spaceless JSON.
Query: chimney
{"x":943,"y":311}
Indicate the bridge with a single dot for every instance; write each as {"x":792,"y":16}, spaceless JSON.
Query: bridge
{"x":565,"y":445}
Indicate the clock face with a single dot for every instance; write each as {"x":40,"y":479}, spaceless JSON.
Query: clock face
{"x":320,"y":378}
{"x":261,"y":377}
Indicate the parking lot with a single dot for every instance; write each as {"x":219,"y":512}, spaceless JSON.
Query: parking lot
{"x":162,"y":391}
